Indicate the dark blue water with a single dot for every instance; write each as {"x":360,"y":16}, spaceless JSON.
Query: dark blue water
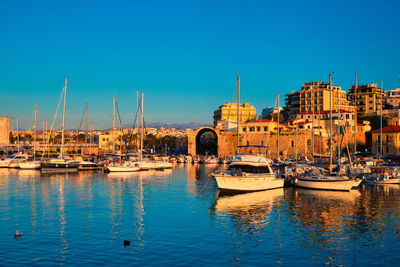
{"x":175,"y":217}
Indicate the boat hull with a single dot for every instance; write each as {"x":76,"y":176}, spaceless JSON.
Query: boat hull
{"x":322,"y":184}
{"x":229,"y":183}
{"x":387,"y":181}
{"x":34,"y":165}
{"x":122,"y":169}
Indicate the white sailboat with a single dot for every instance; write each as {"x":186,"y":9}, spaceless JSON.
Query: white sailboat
{"x":35,"y":164}
{"x":61,"y":163}
{"x":247,"y":173}
{"x":315,"y":179}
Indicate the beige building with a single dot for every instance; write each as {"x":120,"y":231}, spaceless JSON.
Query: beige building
{"x":393,"y":97}
{"x":390,"y":140}
{"x":369,"y":98}
{"x":228,"y":112}
{"x":4,"y":131}
{"x":316,"y":96}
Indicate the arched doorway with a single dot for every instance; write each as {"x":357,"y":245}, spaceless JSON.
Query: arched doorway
{"x":207,"y":142}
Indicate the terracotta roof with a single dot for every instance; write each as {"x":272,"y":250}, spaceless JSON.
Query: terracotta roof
{"x":256,"y":121}
{"x":388,"y":129}
{"x":323,"y":112}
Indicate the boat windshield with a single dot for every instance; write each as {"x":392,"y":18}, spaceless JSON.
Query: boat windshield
{"x":250,"y":169}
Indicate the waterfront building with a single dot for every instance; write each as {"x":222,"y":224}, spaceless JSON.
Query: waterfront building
{"x":393,"y":97}
{"x":390,"y":141}
{"x":4,"y":131}
{"x":292,"y":104}
{"x":317,"y":95}
{"x":369,"y":98}
{"x":228,"y":112}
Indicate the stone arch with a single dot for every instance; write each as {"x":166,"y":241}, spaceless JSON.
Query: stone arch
{"x":207,"y":141}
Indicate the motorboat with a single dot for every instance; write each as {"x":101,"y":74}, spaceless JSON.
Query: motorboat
{"x":127,"y":166}
{"x":247,"y":173}
{"x":60,"y":164}
{"x":318,"y":179}
{"x":84,"y":165}
{"x":13,"y":160}
{"x":30,"y":165}
{"x":383,"y":175}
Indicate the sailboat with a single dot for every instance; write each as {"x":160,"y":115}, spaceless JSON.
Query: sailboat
{"x":247,"y":173}
{"x":35,"y":164}
{"x":317,"y":179}
{"x":61,"y":163}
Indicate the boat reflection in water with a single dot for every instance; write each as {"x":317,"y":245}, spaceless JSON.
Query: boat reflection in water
{"x":165,"y":173}
{"x":250,"y":209}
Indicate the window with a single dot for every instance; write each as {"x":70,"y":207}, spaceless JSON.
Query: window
{"x":244,"y":129}
{"x":258,"y":129}
{"x":387,"y":139}
{"x":251,"y":129}
{"x":292,"y":143}
{"x":265,"y":128}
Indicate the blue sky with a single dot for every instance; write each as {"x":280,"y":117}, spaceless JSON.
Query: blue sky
{"x":184,"y":54}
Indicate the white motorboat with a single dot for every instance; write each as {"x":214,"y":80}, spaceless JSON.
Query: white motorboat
{"x":13,"y":160}
{"x":248,"y":173}
{"x":125,"y":167}
{"x":315,"y":179}
{"x":30,"y":165}
{"x":383,"y":175}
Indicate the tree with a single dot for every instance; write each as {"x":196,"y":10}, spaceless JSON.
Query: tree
{"x":375,"y":121}
{"x":150,"y":140}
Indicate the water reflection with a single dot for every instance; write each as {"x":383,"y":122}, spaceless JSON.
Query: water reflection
{"x":249,"y":210}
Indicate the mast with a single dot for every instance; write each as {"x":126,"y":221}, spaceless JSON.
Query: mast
{"x":330,"y":128}
{"x":312,"y":122}
{"x":120,"y":144}
{"x":86,"y":135}
{"x":381,"y":118}
{"x":137,"y":121}
{"x":34,"y":134}
{"x":63,"y":119}
{"x":113,"y":125}
{"x":238,"y":116}
{"x":277,"y":157}
{"x":17,"y":135}
{"x":338,"y":121}
{"x":355,"y":116}
{"x":142,"y":130}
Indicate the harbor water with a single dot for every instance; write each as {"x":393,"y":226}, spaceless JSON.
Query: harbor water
{"x":176,"y":217}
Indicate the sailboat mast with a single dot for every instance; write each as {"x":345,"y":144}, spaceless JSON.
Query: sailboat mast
{"x":330,"y":128}
{"x":63,"y":119}
{"x":141,"y":130}
{"x":338,"y":120}
{"x":381,"y":118}
{"x":137,"y":121}
{"x":355,"y":115}
{"x":312,"y":123}
{"x":17,"y":136}
{"x":277,"y":143}
{"x":86,"y":135}
{"x":34,"y":134}
{"x":113,"y":125}
{"x":238,"y":114}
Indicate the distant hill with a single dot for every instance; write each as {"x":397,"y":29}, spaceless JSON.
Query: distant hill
{"x":190,"y":125}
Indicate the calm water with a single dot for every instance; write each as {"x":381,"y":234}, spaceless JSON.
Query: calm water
{"x":175,"y":217}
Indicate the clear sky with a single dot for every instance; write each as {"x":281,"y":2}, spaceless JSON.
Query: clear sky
{"x":184,"y":54}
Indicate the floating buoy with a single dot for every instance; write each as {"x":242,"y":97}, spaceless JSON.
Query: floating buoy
{"x":127,"y":243}
{"x":17,"y":234}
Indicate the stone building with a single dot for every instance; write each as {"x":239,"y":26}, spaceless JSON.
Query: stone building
{"x":228,"y":112}
{"x":4,"y":131}
{"x":369,"y":98}
{"x":390,"y":141}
